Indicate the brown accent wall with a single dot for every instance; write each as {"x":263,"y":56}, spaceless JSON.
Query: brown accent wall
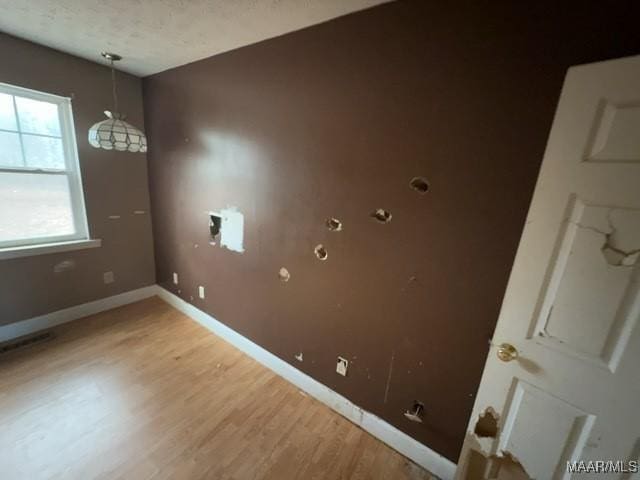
{"x":334,"y":121}
{"x":115,"y":183}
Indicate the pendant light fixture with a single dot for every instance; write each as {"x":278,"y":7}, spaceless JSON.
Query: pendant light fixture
{"x":114,"y":133}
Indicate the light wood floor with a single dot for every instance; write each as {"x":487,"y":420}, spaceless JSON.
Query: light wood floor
{"x":143,"y":392}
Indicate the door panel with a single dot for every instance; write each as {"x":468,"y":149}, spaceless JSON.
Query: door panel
{"x":572,"y":304}
{"x":560,"y":435}
{"x":595,"y":242}
{"x":614,"y":138}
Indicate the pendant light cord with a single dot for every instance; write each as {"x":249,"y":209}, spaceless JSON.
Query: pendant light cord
{"x":113,"y":83}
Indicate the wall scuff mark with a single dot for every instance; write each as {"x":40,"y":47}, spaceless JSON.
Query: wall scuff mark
{"x":299,"y":357}
{"x":64,"y":266}
{"x":411,"y":281}
{"x":386,"y":389}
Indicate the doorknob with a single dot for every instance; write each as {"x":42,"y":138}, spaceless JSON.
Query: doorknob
{"x":507,"y":352}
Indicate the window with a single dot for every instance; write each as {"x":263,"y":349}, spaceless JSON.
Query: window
{"x":41,"y":199}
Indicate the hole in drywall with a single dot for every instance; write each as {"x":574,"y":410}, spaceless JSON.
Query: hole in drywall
{"x":381,"y":215}
{"x":215,"y":223}
{"x":416,"y":414}
{"x":227,"y":226}
{"x":320,"y":252}
{"x":284,"y":274}
{"x":487,"y":424}
{"x":333,"y":224}
{"x":419,"y":184}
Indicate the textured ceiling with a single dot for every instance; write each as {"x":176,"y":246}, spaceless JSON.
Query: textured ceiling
{"x":154,"y":35}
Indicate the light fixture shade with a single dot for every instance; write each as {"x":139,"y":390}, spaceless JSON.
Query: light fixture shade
{"x":116,"y":134}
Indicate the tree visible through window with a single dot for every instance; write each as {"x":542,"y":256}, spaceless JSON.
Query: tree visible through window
{"x":40,"y":187}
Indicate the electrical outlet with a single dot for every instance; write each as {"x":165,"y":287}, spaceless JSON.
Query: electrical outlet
{"x":342,"y":366}
{"x":108,"y":277}
{"x":201,"y":291}
{"x":175,"y":278}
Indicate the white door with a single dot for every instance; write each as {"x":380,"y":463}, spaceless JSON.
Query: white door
{"x":572,"y":304}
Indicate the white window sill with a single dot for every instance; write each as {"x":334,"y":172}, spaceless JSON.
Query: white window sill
{"x":44,"y":248}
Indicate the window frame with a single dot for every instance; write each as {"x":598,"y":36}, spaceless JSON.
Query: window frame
{"x":71,"y":169}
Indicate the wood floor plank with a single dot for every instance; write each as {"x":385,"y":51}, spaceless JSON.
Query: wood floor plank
{"x":142,"y":392}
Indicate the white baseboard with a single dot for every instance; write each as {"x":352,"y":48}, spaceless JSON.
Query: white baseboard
{"x":400,"y":441}
{"x":42,"y":322}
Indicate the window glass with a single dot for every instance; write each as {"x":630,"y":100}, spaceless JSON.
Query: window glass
{"x":38,"y":117}
{"x":10,"y":150}
{"x":43,"y":152}
{"x":7,"y":115}
{"x":34,"y":205}
{"x":40,"y":185}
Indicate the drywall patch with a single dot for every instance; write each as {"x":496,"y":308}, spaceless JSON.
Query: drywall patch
{"x":333,"y":224}
{"x":229,"y":224}
{"x":321,"y":252}
{"x":108,"y":277}
{"x":419,"y":184}
{"x":381,"y":215}
{"x":284,"y":275}
{"x":487,"y":424}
